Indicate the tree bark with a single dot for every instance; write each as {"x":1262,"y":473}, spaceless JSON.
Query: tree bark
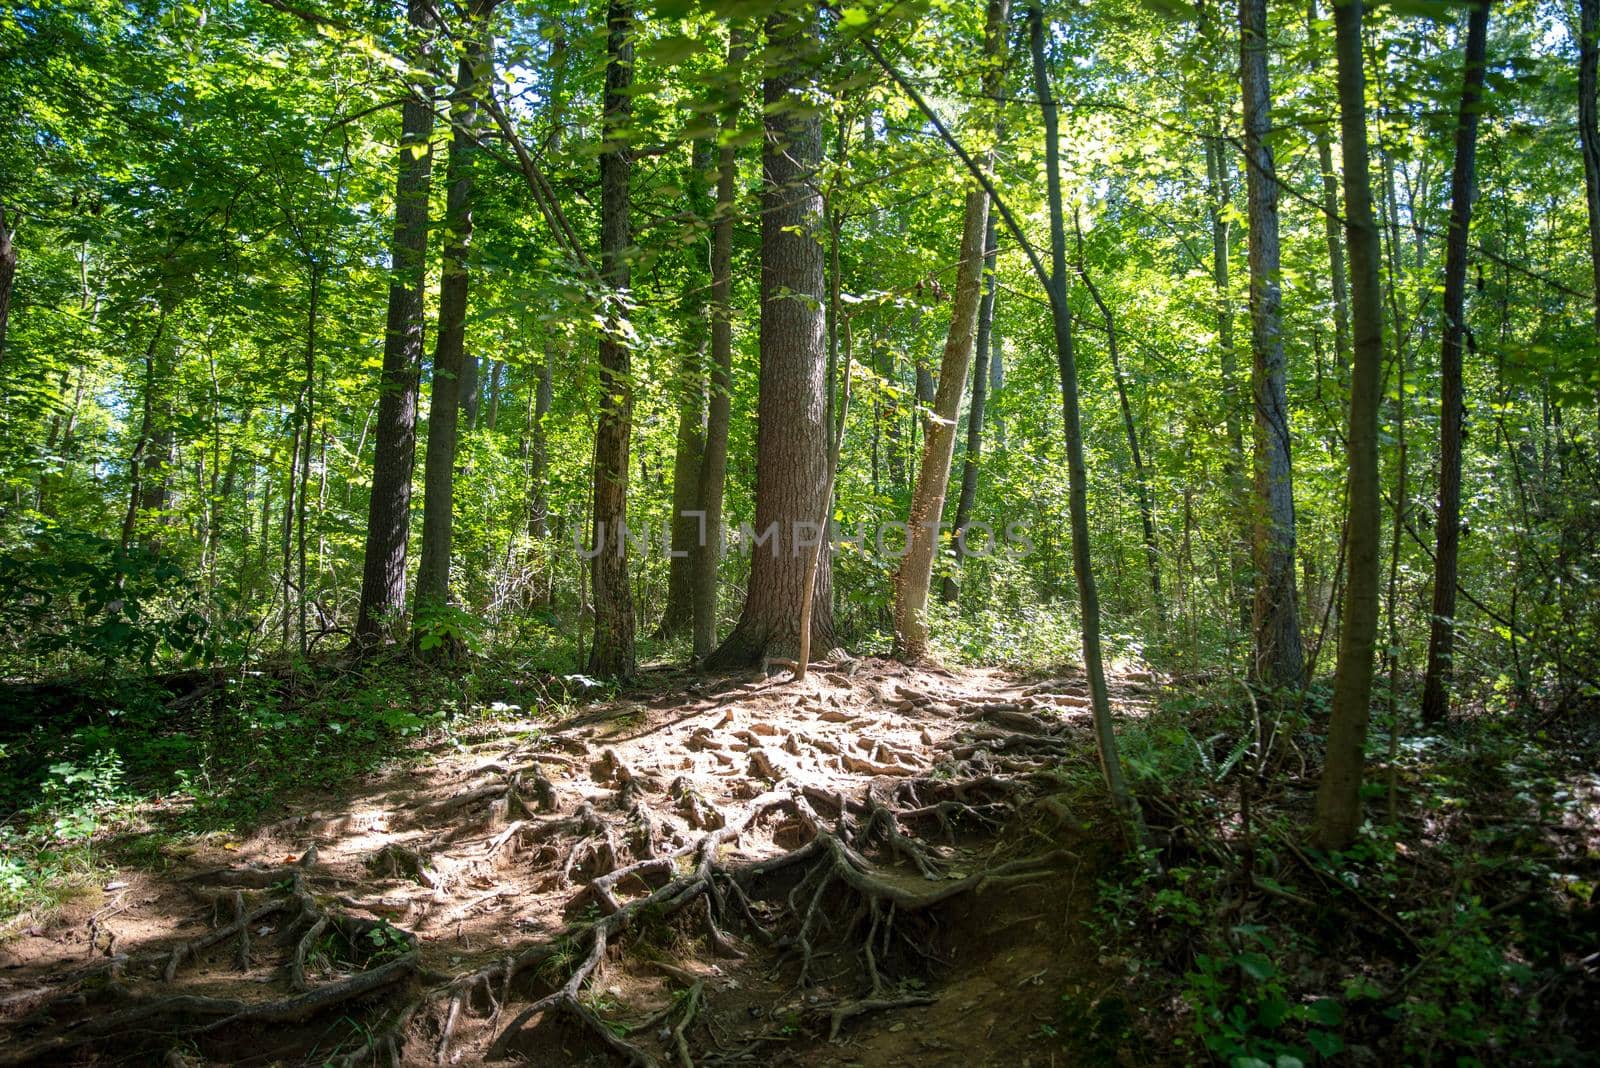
{"x":791,"y":432}
{"x":1278,"y":662}
{"x":1589,"y":134}
{"x":383,"y":576}
{"x":915,"y":575}
{"x":539,"y":466}
{"x":612,"y":653}
{"x":141,"y":448}
{"x":1077,"y":473}
{"x":1447,"y":529}
{"x":714,"y":456}
{"x":1233,"y":458}
{"x":1337,"y":280}
{"x":975,"y":409}
{"x":1338,"y":810}
{"x":8,"y":276}
{"x":449,"y":351}
{"x":687,"y":511}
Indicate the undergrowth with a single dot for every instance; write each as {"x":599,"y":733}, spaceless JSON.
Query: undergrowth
{"x":1445,"y":936}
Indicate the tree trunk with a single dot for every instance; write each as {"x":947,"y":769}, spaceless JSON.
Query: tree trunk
{"x":1447,"y":529}
{"x":714,"y":456}
{"x":8,"y":275}
{"x":308,"y":391}
{"x":538,"y":473}
{"x":1338,"y":812}
{"x":997,"y":382}
{"x":915,"y":575}
{"x":1141,"y":477}
{"x":980,"y":395}
{"x":1589,"y":132}
{"x":497,"y":371}
{"x":791,"y":431}
{"x":470,"y":391}
{"x":889,"y":411}
{"x":688,"y":456}
{"x":1233,"y":459}
{"x":144,"y":444}
{"x":383,"y":576}
{"x":612,"y":652}
{"x":1337,"y":280}
{"x":449,"y":348}
{"x":1077,"y":473}
{"x":1278,"y":662}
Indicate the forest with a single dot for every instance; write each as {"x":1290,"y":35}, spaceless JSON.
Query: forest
{"x":851,"y":532}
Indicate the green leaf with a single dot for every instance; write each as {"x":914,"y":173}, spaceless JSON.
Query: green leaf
{"x":1325,"y":1011}
{"x":1256,"y":965}
{"x":1325,"y":1042}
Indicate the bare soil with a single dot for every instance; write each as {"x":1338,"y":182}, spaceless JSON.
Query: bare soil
{"x":878,"y":865}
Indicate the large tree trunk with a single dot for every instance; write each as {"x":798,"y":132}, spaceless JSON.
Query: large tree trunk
{"x":612,"y":651}
{"x":1589,"y":131}
{"x":383,"y":575}
{"x":791,"y":432}
{"x":688,"y":456}
{"x":1447,"y":530}
{"x":714,"y":456}
{"x":915,"y":576}
{"x":980,"y":396}
{"x":1278,"y":661}
{"x":1077,"y":472}
{"x":1337,"y":280}
{"x":1338,"y":813}
{"x":439,"y":465}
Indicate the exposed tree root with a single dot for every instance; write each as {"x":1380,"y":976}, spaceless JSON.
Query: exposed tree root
{"x":840,"y":878}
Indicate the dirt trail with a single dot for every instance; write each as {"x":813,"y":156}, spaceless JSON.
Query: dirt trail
{"x":868,"y":867}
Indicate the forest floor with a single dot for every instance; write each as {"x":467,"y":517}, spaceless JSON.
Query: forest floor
{"x":878,"y":865}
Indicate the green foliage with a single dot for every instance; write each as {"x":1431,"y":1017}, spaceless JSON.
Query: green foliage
{"x":67,"y":593}
{"x":445,"y":626}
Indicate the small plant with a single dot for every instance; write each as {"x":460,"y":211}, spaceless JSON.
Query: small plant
{"x":443,"y":626}
{"x":387,"y":941}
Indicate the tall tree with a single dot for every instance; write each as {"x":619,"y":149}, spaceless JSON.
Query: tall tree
{"x":1277,"y":660}
{"x":449,"y":351}
{"x":8,"y":274}
{"x":1589,"y":131}
{"x":1338,"y":283}
{"x":541,"y":391}
{"x":1338,"y":812}
{"x":714,"y":456}
{"x":383,"y":576}
{"x":612,"y":651}
{"x":1141,"y":476}
{"x":1219,"y":208}
{"x":687,"y":510}
{"x":792,"y":434}
{"x":1077,"y":471}
{"x":1447,"y":528}
{"x":939,"y":431}
{"x":975,"y":409}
